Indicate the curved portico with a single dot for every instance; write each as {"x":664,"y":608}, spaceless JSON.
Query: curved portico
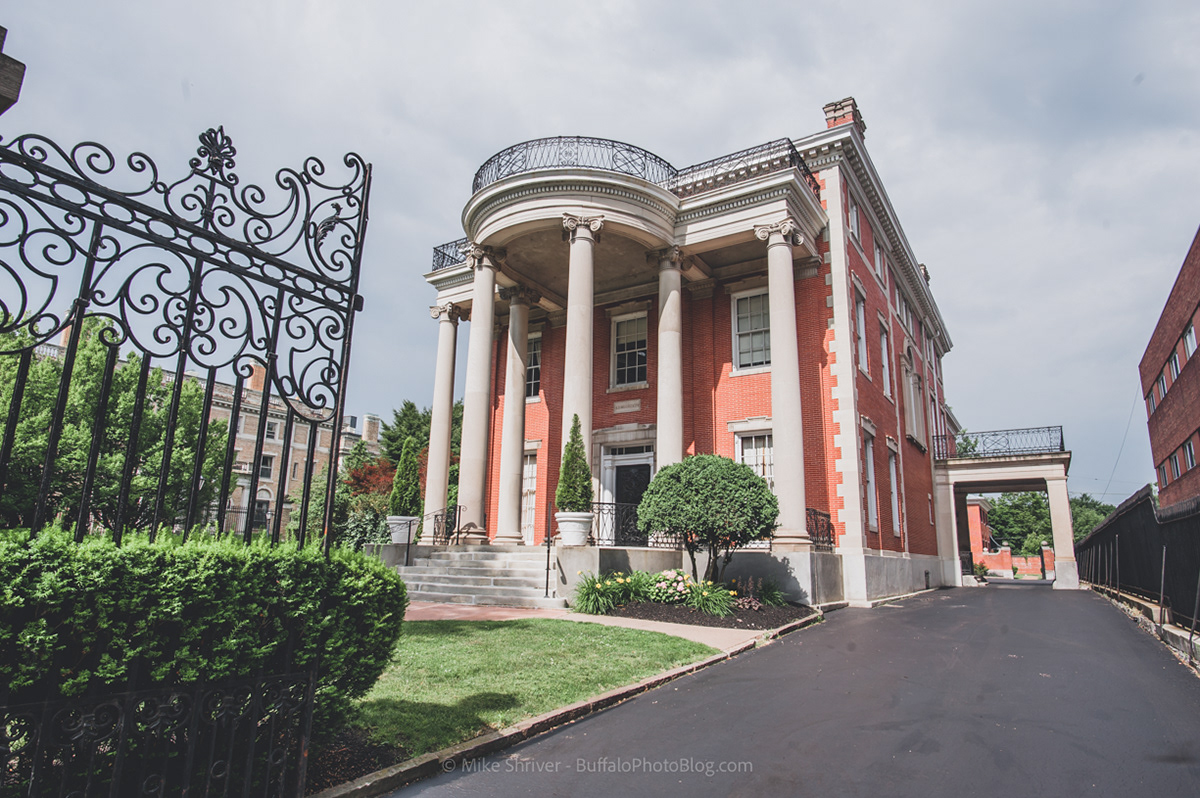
{"x":596,"y":249}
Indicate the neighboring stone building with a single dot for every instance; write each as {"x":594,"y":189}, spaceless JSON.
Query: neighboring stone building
{"x":601,"y":281}
{"x":1170,"y":373}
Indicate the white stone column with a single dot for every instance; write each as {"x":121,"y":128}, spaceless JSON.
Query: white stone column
{"x":477,"y":398}
{"x":786,"y":424}
{"x":583,"y":233}
{"x":669,"y":420}
{"x":1066,"y":572}
{"x":512,"y":442}
{"x":437,"y":475}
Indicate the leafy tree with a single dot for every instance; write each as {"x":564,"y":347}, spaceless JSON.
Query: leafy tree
{"x":713,"y":504}
{"x":18,"y":502}
{"x":406,"y":490}
{"x":409,"y":422}
{"x":1086,"y":514}
{"x":574,"y":493}
{"x":964,"y":444}
{"x":1022,"y":520}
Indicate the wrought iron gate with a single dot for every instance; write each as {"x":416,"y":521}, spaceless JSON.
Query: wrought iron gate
{"x":148,"y":322}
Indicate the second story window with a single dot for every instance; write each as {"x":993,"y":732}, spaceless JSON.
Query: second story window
{"x":272,"y":430}
{"x":751,"y":331}
{"x":533,"y":367}
{"x":629,"y":350}
{"x":266,"y":466}
{"x":1189,"y":341}
{"x":1173,"y":365}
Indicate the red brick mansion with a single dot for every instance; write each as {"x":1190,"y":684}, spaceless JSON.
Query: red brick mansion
{"x":765,"y":306}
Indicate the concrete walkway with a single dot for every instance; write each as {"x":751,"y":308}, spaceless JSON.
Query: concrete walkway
{"x":720,"y":639}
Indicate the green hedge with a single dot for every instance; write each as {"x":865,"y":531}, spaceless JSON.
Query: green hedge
{"x":92,"y":617}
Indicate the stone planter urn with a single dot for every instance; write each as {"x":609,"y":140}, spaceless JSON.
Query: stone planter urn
{"x":402,"y":527}
{"x":573,"y":528}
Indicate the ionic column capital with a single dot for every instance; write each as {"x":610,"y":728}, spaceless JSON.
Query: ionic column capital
{"x":787,"y":228}
{"x":478,"y":255}
{"x":520,"y":295}
{"x":575,"y":226}
{"x":669,"y":258}
{"x":449,"y":312}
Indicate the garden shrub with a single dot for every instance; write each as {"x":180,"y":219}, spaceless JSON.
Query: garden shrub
{"x":574,"y":492}
{"x":670,"y":587}
{"x":595,"y":595}
{"x":710,"y":503}
{"x":757,"y":593}
{"x":98,"y":617}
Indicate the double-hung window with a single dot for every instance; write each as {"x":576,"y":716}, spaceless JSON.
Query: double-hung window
{"x":1173,"y":365}
{"x":894,"y":484}
{"x":629,"y":350}
{"x":853,"y":211}
{"x":869,"y":482}
{"x":860,"y":332}
{"x":533,"y":367}
{"x":756,"y":451}
{"x":266,"y":466}
{"x":1189,"y":456}
{"x":1189,"y":341}
{"x":751,"y":331}
{"x":880,"y":262}
{"x":885,"y":360}
{"x":1174,"y":461}
{"x":1161,"y":382}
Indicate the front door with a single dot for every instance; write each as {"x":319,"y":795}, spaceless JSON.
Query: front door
{"x":631,"y":483}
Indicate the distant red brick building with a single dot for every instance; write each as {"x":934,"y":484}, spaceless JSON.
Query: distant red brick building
{"x":765,"y":306}
{"x":1170,"y":373}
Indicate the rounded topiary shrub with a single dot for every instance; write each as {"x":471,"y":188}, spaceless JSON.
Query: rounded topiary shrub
{"x":99,"y":617}
{"x":712,"y":504}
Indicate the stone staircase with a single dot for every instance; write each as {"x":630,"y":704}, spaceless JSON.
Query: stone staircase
{"x":506,"y":576}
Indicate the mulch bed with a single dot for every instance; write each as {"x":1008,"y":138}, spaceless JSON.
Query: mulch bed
{"x":348,"y":756}
{"x":766,"y":618}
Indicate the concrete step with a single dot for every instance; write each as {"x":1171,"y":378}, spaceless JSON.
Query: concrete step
{"x":439,"y":576}
{"x":480,"y":555}
{"x":497,"y":591}
{"x":479,"y":567}
{"x":538,"y":601}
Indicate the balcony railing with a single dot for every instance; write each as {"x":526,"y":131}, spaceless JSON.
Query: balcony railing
{"x":449,"y":254}
{"x":774,"y":156}
{"x":573,"y":151}
{"x":999,"y":443}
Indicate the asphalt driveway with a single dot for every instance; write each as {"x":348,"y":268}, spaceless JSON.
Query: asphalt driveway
{"x":1006,"y":690}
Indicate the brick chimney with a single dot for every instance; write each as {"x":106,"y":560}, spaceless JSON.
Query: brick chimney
{"x":258,"y":377}
{"x":371,"y":424}
{"x":845,"y":112}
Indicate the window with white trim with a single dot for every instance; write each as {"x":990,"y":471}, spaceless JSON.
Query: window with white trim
{"x":757,"y":451}
{"x":853,"y":216}
{"x":1189,"y":456}
{"x":1173,"y":365}
{"x":272,"y":430}
{"x":869,"y":482}
{"x":1161,"y":382}
{"x":266,"y":466}
{"x":629,"y":350}
{"x":1174,"y":461}
{"x":880,"y":262}
{"x":860,"y":332}
{"x":1189,"y":341}
{"x":914,"y":401}
{"x":894,"y":485}
{"x":885,"y":360}
{"x":533,"y":367}
{"x":751,"y":331}
{"x":1150,"y":402}
{"x":1162,"y":476}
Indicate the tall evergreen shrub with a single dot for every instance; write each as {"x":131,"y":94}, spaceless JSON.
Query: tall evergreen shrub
{"x":574,"y":494}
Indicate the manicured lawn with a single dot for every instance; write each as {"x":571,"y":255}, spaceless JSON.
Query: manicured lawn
{"x":453,"y":680}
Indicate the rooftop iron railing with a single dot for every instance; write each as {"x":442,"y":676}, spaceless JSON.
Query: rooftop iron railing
{"x":999,"y":443}
{"x":569,"y":152}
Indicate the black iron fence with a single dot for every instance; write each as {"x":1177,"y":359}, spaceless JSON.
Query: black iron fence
{"x":143,"y":324}
{"x":999,"y":443}
{"x":1150,"y":553}
{"x":235,"y":738}
{"x":820,"y":530}
{"x":615,"y":524}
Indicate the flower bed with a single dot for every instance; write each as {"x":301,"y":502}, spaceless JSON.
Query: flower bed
{"x":662,"y":596}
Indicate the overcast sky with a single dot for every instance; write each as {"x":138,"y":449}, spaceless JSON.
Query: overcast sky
{"x":1042,"y":156}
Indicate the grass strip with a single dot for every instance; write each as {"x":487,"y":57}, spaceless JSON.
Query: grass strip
{"x":454,"y":680}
